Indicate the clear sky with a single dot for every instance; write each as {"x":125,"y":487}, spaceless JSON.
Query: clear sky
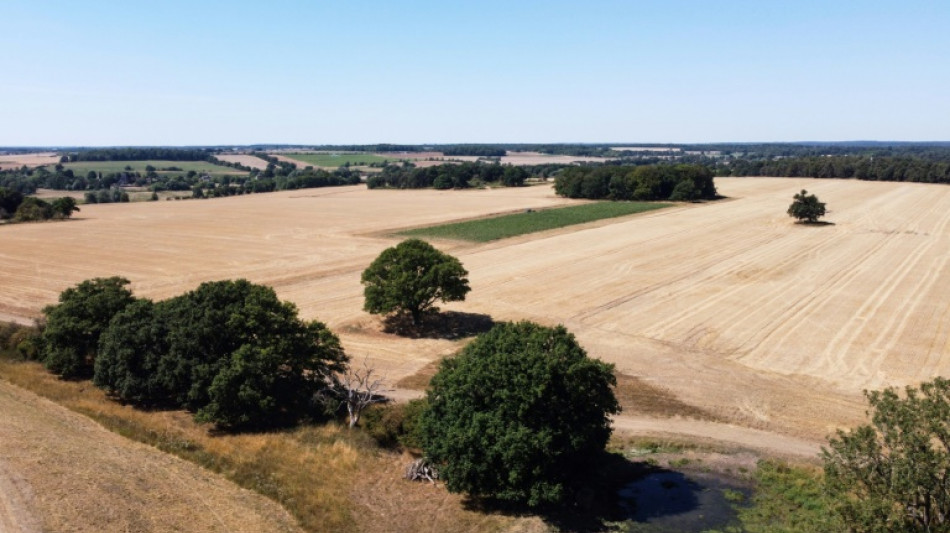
{"x":314,"y":72}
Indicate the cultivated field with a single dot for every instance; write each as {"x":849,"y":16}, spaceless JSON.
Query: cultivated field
{"x":83,"y":167}
{"x":334,"y":159}
{"x":729,"y":305}
{"x":30,"y":160}
{"x":247,"y":160}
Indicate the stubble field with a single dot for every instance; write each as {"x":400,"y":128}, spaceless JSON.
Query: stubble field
{"x":729,"y":306}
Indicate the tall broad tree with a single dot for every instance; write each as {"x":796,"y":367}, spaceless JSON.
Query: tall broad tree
{"x":894,"y":474}
{"x":806,"y":207}
{"x":410,"y":278}
{"x":518,"y":415}
{"x":73,"y":327}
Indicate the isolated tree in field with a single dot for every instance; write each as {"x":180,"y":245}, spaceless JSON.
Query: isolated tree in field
{"x":518,"y":414}
{"x":410,"y":278}
{"x":806,"y":207}
{"x":894,"y":474}
{"x":71,"y":337}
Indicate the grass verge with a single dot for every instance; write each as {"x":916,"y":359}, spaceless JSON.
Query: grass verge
{"x":502,"y":227}
{"x":328,"y":477}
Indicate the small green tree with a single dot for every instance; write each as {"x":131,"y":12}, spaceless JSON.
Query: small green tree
{"x":894,"y":474}
{"x":410,"y":277}
{"x":806,"y":207}
{"x":71,"y":337}
{"x":64,"y":207}
{"x":518,"y":415}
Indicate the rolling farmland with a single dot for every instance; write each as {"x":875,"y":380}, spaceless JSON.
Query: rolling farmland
{"x":729,"y":305}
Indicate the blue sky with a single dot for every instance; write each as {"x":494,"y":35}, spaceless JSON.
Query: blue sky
{"x":186,"y":73}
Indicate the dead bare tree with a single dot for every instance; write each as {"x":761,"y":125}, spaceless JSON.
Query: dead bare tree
{"x":421,"y":470}
{"x":358,"y":389}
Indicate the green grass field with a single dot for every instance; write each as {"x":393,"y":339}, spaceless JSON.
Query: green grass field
{"x":337,"y":160}
{"x":81,"y":168}
{"x":502,"y":227}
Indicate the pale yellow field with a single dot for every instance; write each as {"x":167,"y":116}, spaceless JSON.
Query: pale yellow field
{"x":244,"y":159}
{"x":728,"y":305}
{"x":29,"y":160}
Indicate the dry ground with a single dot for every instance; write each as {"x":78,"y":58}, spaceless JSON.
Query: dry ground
{"x":728,"y":306}
{"x":244,"y":159}
{"x":59,"y":471}
{"x":30,"y":160}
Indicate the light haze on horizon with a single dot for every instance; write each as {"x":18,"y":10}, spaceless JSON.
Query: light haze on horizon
{"x":104,"y":73}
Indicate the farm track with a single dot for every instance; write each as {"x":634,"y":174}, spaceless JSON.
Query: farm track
{"x":728,"y":305}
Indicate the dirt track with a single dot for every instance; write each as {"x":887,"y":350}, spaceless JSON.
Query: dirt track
{"x":90,"y":479}
{"x":729,"y":305}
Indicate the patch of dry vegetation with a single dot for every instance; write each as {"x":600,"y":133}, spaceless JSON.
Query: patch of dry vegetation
{"x":328,"y":477}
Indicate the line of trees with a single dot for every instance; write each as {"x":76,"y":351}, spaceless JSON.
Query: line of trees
{"x":14,"y":206}
{"x":448,"y":176}
{"x":229,"y":351}
{"x":138,"y":154}
{"x":646,"y":182}
{"x":871,"y":168}
{"x":481,"y":150}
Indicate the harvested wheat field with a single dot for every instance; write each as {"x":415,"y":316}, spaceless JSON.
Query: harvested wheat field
{"x":244,"y":159}
{"x":94,"y":480}
{"x":31,"y":160}
{"x":729,"y":306}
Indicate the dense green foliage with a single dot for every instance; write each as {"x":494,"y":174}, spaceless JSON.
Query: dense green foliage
{"x":893,"y":475}
{"x":31,"y":209}
{"x":230,"y":351}
{"x":71,"y":337}
{"x":518,"y":414}
{"x":871,"y":168}
{"x":806,"y":207}
{"x":501,"y":227}
{"x":648,"y":182}
{"x":104,"y":181}
{"x":480,"y":150}
{"x":138,"y":154}
{"x":448,"y":176}
{"x":410,"y":277}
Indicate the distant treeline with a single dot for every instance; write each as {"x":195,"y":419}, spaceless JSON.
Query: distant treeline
{"x":138,"y":154}
{"x":646,"y":182}
{"x":871,"y":168}
{"x":308,"y":178}
{"x":480,"y":150}
{"x":448,"y":176}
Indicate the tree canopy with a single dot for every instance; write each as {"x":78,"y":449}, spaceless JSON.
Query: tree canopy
{"x":230,"y":351}
{"x":518,"y":414}
{"x":71,"y":337}
{"x":410,"y":278}
{"x":894,"y":474}
{"x":806,"y":207}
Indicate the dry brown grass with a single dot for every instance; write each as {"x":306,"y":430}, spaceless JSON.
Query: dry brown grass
{"x":328,"y":477}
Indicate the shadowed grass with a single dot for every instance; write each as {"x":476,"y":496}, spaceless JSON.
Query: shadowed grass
{"x":502,"y":227}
